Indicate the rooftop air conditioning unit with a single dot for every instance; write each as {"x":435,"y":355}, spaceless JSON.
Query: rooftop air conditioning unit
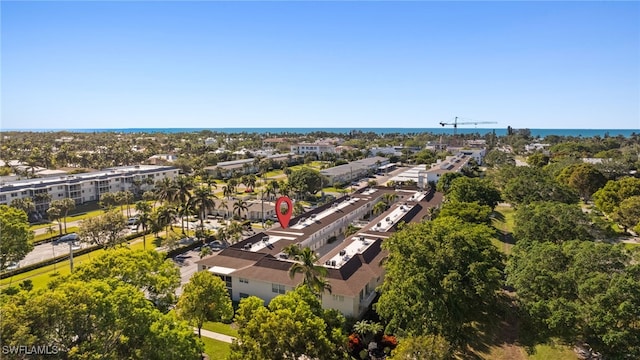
{"x":265,"y":238}
{"x":379,"y":224}
{"x":333,"y":263}
{"x":343,"y":252}
{"x":328,"y":262}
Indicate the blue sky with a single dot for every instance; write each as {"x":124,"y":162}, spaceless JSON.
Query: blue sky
{"x":319,"y":64}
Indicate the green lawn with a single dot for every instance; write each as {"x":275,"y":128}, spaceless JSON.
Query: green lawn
{"x":548,"y":352}
{"x":221,"y":328}
{"x":217,"y":350}
{"x":504,"y":223}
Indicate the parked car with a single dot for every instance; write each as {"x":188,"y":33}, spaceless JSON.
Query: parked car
{"x":132,"y":220}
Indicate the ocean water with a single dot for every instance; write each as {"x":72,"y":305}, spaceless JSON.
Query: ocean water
{"x":448,"y":130}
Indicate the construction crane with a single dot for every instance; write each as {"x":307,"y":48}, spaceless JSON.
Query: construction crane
{"x":455,"y":124}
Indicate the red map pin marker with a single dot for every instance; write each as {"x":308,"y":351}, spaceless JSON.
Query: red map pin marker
{"x":284,"y":218}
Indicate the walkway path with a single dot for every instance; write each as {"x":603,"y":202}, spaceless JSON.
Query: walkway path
{"x":215,"y":335}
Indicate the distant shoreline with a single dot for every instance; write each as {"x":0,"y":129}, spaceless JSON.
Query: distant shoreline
{"x":346,"y":130}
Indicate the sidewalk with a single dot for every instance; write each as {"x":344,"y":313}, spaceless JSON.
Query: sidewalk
{"x":215,"y":335}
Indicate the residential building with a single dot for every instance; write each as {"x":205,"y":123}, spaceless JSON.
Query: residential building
{"x":85,"y":187}
{"x":312,"y":148}
{"x":344,"y":174}
{"x":257,"y":266}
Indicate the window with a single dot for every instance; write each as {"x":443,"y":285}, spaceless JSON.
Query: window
{"x":243,"y":280}
{"x":339,"y":298}
{"x":14,"y":194}
{"x":227,"y":280}
{"x":277,"y":288}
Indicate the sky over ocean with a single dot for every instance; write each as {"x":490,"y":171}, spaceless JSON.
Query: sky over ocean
{"x":213,"y":64}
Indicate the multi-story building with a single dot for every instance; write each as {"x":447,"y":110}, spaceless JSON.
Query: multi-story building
{"x":312,"y":148}
{"x":343,"y":174}
{"x":85,"y":187}
{"x":258,"y":265}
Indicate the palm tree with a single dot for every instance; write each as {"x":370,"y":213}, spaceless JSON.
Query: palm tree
{"x":53,"y":212}
{"x":67,"y":205}
{"x":313,"y":274}
{"x":202,"y":200}
{"x":234,"y":231}
{"x":166,"y":216}
{"x":272,"y":188}
{"x":144,"y":219}
{"x":166,"y":190}
{"x":379,"y":208}
{"x":227,"y":191}
{"x":239,"y":206}
{"x":223,"y":235}
{"x":24,"y":204}
{"x":389,"y":198}
{"x":367,"y":330}
{"x":183,"y":185}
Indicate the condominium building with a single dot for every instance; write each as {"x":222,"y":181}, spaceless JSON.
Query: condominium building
{"x":343,"y":174}
{"x":312,"y":148}
{"x":258,"y":266}
{"x":85,"y":187}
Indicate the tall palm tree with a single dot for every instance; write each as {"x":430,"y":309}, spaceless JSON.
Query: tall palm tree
{"x":272,"y":189}
{"x":227,"y":191}
{"x":144,"y":220}
{"x":67,"y":205}
{"x":314,"y":275}
{"x":202,"y":200}
{"x":183,"y":185}
{"x":166,"y":190}
{"x":239,"y":206}
{"x":166,"y":216}
{"x":54,"y":213}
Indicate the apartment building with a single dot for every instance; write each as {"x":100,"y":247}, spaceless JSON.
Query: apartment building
{"x":87,"y":186}
{"x":344,"y":174}
{"x":312,"y":148}
{"x":257,"y":266}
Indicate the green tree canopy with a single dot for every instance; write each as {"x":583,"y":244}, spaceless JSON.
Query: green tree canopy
{"x":482,"y":191}
{"x":524,"y":185}
{"x":15,"y":236}
{"x":468,"y":212}
{"x":205,"y":298}
{"x":292,"y":326}
{"x":580,"y":290}
{"x":148,"y":271}
{"x":608,"y":198}
{"x":107,"y":230}
{"x":551,"y":221}
{"x":583,"y":178}
{"x":96,"y":319}
{"x":306,"y":181}
{"x":423,"y":347}
{"x":445,"y":181}
{"x":628,"y":213}
{"x":442,"y":275}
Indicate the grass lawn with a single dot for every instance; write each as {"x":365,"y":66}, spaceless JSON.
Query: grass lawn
{"x":221,"y":328}
{"x":504,"y":224}
{"x":216,"y":349}
{"x":547,"y":352}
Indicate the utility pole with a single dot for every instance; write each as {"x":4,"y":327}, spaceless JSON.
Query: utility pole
{"x":71,"y":255}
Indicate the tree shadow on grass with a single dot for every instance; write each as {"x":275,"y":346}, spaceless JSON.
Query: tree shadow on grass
{"x":501,"y":327}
